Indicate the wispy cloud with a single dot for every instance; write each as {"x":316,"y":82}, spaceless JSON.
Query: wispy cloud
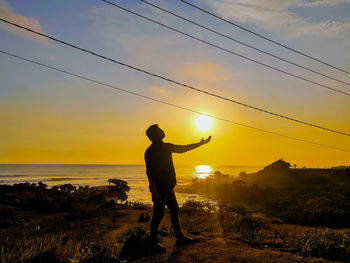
{"x":322,"y":2}
{"x":8,"y":14}
{"x":276,"y":16}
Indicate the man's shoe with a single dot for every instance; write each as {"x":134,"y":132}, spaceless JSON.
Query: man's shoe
{"x":186,"y":240}
{"x":157,"y":248}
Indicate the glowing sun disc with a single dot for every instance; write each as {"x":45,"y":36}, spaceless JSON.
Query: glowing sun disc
{"x":203,"y":123}
{"x":203,"y":171}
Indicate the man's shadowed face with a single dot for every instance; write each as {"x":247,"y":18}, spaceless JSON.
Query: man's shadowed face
{"x":155,"y":134}
{"x":159,"y":135}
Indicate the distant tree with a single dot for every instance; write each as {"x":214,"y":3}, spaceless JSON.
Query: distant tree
{"x":42,"y":185}
{"x":219,"y":175}
{"x":239,"y":182}
{"x":55,"y":188}
{"x":195,"y":180}
{"x":83,"y":189}
{"x":119,"y":189}
{"x":67,"y":188}
{"x":243,"y":173}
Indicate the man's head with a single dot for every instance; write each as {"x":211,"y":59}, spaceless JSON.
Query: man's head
{"x":154,"y":133}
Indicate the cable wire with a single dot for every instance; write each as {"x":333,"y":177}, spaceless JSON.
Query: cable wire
{"x":176,"y":82}
{"x":228,"y":51}
{"x":266,"y":38}
{"x":243,"y":43}
{"x":167,"y":103}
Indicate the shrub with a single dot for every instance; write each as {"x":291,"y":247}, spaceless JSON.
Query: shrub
{"x":237,"y":209}
{"x":329,"y":245}
{"x":243,"y":174}
{"x":206,"y":206}
{"x":66,"y":188}
{"x":219,"y":175}
{"x":249,"y":226}
{"x":42,"y":204}
{"x":137,"y":205}
{"x":108,"y":205}
{"x":5,"y":223}
{"x":135,"y":243}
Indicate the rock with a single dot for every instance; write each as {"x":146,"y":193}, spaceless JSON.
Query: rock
{"x":144,"y":217}
{"x":163,"y":231}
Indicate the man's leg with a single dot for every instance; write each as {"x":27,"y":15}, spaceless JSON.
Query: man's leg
{"x":173,"y":206}
{"x":158,"y":213}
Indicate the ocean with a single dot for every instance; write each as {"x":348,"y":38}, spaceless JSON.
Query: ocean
{"x":97,"y":175}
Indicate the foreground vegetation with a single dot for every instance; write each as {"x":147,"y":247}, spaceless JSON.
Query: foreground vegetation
{"x":60,"y":224}
{"x":69,"y":224}
{"x":96,"y":238}
{"x":271,"y":233}
{"x":313,"y":197}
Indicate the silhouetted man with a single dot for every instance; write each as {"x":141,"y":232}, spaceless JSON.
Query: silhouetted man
{"x":162,"y":179}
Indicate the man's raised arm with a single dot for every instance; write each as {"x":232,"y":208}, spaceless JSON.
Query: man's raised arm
{"x":189,"y":147}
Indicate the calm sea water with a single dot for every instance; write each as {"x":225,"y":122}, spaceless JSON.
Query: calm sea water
{"x":96,"y":175}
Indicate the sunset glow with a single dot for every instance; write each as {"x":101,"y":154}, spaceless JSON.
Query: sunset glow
{"x":50,"y":117}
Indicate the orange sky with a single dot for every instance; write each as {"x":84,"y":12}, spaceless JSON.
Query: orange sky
{"x":47,"y":117}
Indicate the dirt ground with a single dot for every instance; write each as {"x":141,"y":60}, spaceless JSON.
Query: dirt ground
{"x":214,"y":248}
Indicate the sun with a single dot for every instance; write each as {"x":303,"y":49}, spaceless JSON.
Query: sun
{"x":203,"y":123}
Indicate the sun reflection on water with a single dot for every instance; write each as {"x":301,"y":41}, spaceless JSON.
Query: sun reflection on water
{"x":203,"y":171}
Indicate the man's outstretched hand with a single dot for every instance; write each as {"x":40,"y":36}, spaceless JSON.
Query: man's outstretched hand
{"x":206,"y":140}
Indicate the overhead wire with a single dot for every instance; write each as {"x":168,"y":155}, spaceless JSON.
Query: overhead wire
{"x":167,"y":103}
{"x":229,"y":51}
{"x":266,"y":38}
{"x":174,"y":81}
{"x":243,"y":43}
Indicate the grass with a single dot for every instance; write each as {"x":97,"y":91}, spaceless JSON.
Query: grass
{"x":100,"y":231}
{"x":82,"y":244}
{"x":90,"y":241}
{"x":323,"y":242}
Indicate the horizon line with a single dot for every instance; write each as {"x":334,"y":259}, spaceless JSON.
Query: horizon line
{"x":214,"y":165}
{"x":119,"y":164}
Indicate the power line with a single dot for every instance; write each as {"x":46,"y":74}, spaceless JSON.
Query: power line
{"x":266,"y":38}
{"x":176,"y":82}
{"x":243,"y":43}
{"x":167,"y":103}
{"x":227,"y":50}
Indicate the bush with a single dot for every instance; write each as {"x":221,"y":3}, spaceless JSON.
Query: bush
{"x":328,"y":245}
{"x":108,"y":205}
{"x":5,"y":223}
{"x":321,"y":211}
{"x":243,"y":174}
{"x":249,"y":226}
{"x":206,"y":206}
{"x":135,"y":243}
{"x":237,"y":209}
{"x":42,"y":204}
{"x":137,"y":205}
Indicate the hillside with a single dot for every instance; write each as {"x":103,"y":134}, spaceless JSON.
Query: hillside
{"x":317,"y":197}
